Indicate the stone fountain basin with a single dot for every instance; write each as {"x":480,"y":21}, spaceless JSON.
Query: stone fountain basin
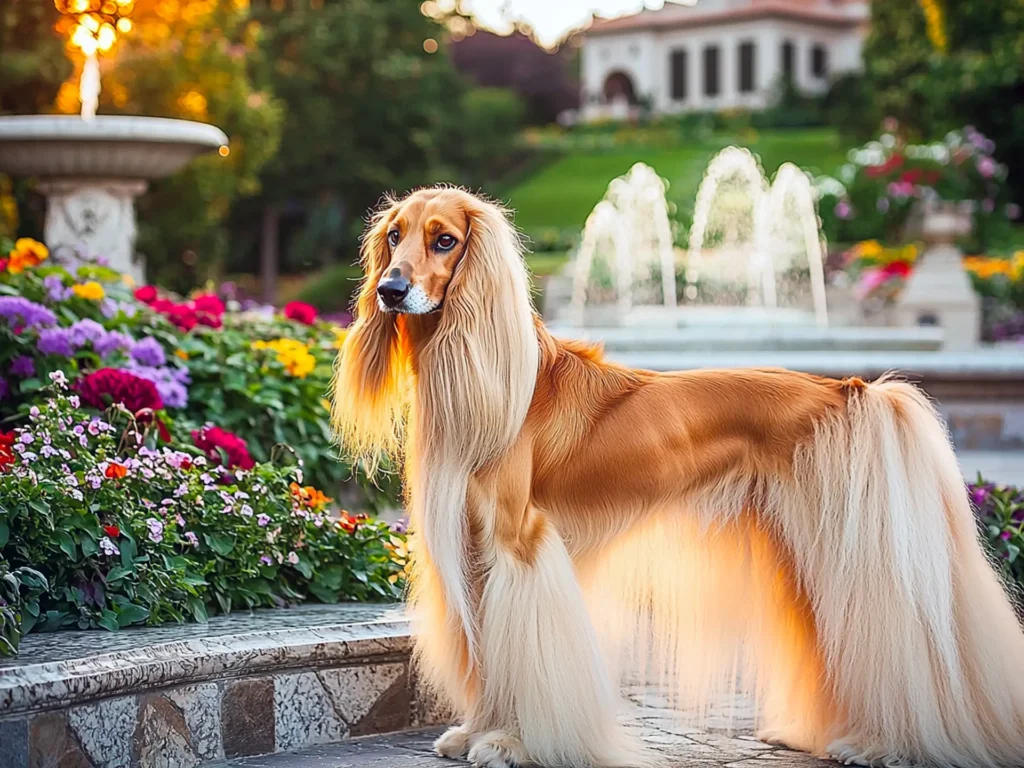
{"x":108,"y":147}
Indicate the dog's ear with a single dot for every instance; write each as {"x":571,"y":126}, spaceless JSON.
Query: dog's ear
{"x":370,"y":373}
{"x":480,"y":366}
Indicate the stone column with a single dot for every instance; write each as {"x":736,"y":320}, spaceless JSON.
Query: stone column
{"x":939,"y":291}
{"x":97,"y":217}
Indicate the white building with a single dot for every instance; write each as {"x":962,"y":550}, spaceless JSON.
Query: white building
{"x":717,"y":54}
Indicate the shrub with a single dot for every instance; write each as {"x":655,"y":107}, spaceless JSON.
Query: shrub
{"x":886,"y":178}
{"x":17,"y":609}
{"x":1000,"y":511}
{"x":127,"y":531}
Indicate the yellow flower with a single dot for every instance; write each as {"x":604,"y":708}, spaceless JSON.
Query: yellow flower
{"x":181,"y":353}
{"x":339,"y":336}
{"x":90,"y":290}
{"x":292,"y":354}
{"x":934,"y":24}
{"x":325,"y":403}
{"x":27,"y":253}
{"x":128,"y":280}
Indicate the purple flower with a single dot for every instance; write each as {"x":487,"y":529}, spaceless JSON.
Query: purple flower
{"x":55,"y":289}
{"x":156,"y":530}
{"x":266,"y":560}
{"x":844,"y":210}
{"x":109,"y":548}
{"x":108,"y":308}
{"x":986,"y":166}
{"x":170,"y":382}
{"x":86,"y":332}
{"x":979,"y":495}
{"x":1005,"y":535}
{"x":400,"y":526}
{"x":23,"y":367}
{"x":4,"y":388}
{"x":263,"y":520}
{"x":21,"y":313}
{"x":56,"y":341}
{"x":191,"y":538}
{"x":148,"y":352}
{"x":111,"y":342}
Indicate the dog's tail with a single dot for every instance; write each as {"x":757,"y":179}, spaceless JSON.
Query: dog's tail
{"x":920,"y":644}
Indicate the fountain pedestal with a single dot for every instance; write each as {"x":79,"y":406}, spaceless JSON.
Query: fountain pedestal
{"x":939,"y":291}
{"x":91,"y":171}
{"x":97,"y":217}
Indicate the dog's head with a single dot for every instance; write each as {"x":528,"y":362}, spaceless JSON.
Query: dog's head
{"x":415,"y":245}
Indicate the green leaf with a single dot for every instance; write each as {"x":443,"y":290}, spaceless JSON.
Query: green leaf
{"x":67,"y":544}
{"x":5,"y":533}
{"x":304,"y":568}
{"x":128,"y":552}
{"x":221,"y":543}
{"x":89,"y":546}
{"x":108,"y":620}
{"x":130,"y":613}
{"x":198,"y":609}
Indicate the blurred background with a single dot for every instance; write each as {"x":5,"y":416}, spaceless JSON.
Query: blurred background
{"x":330,"y":103}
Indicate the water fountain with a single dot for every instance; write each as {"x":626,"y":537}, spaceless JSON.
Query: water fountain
{"x":91,"y":168}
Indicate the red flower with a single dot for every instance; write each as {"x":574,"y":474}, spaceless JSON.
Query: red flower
{"x":6,"y":454}
{"x":209,"y":310}
{"x":300,"y":312}
{"x":912,"y":176}
{"x":3,"y":264}
{"x":106,"y":386}
{"x":899,"y":269}
{"x":183,"y":316}
{"x":112,"y":531}
{"x":218,"y":443}
{"x":163,"y":306}
{"x":893,"y":163}
{"x":146,"y":294}
{"x":115,"y":471}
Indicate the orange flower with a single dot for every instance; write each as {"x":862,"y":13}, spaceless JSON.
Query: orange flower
{"x":115,"y":471}
{"x":347,"y":523}
{"x":27,"y":253}
{"x":309,"y":496}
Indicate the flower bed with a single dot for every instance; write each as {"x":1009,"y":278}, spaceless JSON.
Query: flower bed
{"x":168,"y":457}
{"x":1000,"y":511}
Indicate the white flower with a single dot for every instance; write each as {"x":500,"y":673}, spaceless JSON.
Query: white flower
{"x":58,"y":378}
{"x":109,"y":548}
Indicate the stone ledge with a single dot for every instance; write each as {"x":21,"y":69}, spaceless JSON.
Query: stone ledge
{"x":191,"y":701}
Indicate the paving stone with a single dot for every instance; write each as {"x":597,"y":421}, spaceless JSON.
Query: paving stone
{"x":247,"y":717}
{"x":162,"y":738}
{"x":52,"y":743}
{"x":201,"y":706}
{"x":303,"y":712}
{"x":105,"y":729}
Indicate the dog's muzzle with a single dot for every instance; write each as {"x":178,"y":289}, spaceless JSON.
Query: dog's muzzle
{"x":392,"y":291}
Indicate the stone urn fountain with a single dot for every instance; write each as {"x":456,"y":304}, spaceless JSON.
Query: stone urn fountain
{"x":939,"y":291}
{"x":91,"y":171}
{"x":91,"y":168}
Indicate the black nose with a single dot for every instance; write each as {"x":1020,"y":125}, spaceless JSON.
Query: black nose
{"x":392,"y":290}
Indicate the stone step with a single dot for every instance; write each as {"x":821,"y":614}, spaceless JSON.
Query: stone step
{"x":244,"y":684}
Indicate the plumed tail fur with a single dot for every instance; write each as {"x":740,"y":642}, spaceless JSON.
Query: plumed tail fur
{"x":851,"y":597}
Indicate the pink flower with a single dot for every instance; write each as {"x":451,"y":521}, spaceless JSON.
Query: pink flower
{"x":844,"y":210}
{"x":986,"y":166}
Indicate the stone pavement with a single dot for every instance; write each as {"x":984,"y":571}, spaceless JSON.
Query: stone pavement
{"x":725,"y":741}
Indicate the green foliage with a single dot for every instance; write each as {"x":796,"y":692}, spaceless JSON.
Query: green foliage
{"x":332,"y":289}
{"x":19,"y":599}
{"x":32,"y":61}
{"x":1000,"y":511}
{"x":126,"y":533}
{"x":976,"y":80}
{"x":489,"y":121}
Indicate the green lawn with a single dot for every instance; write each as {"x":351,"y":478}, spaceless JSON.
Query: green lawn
{"x":563,"y":193}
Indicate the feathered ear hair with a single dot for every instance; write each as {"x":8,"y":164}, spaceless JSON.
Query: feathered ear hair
{"x":371,"y":372}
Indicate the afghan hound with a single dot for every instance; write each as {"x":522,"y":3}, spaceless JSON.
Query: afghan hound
{"x":804,"y":539}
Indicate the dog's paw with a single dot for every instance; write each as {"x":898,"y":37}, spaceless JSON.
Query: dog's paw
{"x":453,"y":743}
{"x":849,"y":753}
{"x":496,"y":749}
{"x":780,"y":737}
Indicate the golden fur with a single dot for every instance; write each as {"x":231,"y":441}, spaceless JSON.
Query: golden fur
{"x":804,"y":539}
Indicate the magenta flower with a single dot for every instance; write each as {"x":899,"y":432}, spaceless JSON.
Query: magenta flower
{"x":844,"y":210}
{"x":986,"y":166}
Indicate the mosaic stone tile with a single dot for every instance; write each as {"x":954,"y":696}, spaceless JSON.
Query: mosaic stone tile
{"x":52,"y":743}
{"x":201,"y":707}
{"x":104,"y":730}
{"x":247,"y":717}
{"x":304,"y":714}
{"x":162,"y":738}
{"x":14,"y":743}
{"x":354,"y":691}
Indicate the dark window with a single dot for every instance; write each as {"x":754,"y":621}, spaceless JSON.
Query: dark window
{"x":678,"y":66}
{"x":819,"y":61}
{"x":788,"y":60}
{"x":747,"y":68}
{"x":711,"y":70}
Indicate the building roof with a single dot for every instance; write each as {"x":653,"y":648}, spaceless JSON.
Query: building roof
{"x":841,"y":14}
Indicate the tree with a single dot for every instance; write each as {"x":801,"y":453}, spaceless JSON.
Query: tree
{"x":32,"y":61}
{"x":939,"y":65}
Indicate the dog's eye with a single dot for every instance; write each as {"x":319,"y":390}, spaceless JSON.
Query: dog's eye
{"x":445,"y":242}
{"x":393,"y":236}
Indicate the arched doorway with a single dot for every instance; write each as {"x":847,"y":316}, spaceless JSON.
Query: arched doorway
{"x":618,"y":87}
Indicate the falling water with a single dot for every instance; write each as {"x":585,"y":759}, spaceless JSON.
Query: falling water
{"x":627,"y":247}
{"x":89,"y":87}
